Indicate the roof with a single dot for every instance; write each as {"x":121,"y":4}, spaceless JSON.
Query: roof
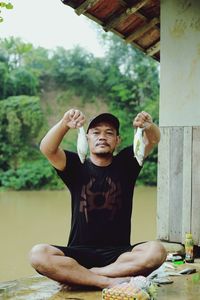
{"x":136,"y":22}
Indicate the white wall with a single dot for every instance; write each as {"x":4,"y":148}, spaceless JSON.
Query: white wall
{"x":180,"y":63}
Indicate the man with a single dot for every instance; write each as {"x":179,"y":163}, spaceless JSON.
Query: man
{"x":99,"y":251}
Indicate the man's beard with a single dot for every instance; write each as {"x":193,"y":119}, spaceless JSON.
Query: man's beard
{"x":104,"y":154}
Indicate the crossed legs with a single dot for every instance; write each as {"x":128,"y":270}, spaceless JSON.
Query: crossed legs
{"x":142,"y":260}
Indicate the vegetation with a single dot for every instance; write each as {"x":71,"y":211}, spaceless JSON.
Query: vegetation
{"x":38,"y":85}
{"x":6,"y":5}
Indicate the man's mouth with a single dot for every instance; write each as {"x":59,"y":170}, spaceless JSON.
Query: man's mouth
{"x":102,"y":144}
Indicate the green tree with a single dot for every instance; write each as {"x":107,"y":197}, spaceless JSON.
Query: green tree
{"x":16,"y":49}
{"x":16,"y":77}
{"x":3,"y":78}
{"x":21,"y":164}
{"x":78,"y":70}
{"x":20,"y":122}
{"x":25,"y":81}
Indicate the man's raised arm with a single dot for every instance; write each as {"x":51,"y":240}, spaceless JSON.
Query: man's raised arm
{"x":50,"y":144}
{"x":151,"y":130}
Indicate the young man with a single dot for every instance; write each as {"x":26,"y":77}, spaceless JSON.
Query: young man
{"x":99,"y":251}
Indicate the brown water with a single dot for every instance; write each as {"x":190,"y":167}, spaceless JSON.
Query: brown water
{"x":28,"y":218}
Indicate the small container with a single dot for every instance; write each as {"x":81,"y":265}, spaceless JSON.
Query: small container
{"x":189,"y":246}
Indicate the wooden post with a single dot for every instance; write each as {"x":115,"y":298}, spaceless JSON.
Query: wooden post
{"x":178,"y":208}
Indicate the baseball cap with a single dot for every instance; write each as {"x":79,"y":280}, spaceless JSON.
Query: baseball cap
{"x":104,"y":117}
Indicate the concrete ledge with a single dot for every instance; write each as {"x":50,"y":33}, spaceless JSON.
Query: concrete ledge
{"x":174,"y":247}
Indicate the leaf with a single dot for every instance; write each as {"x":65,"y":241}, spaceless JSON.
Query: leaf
{"x":9,"y":6}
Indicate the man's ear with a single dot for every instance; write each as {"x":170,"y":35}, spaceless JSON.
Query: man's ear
{"x":118,"y":140}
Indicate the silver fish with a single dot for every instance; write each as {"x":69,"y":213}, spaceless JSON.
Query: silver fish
{"x":139,"y":146}
{"x":82,"y":144}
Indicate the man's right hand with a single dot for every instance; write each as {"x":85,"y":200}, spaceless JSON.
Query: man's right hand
{"x":50,"y":144}
{"x":73,"y":118}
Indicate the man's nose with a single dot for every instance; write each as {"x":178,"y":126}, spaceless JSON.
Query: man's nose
{"x":102,"y":136}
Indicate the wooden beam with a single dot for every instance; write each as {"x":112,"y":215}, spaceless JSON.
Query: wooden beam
{"x":137,"y":6}
{"x":163,"y":192}
{"x":153,"y":49}
{"x":129,"y":11}
{"x":133,"y":36}
{"x":85,"y":6}
{"x":91,"y":17}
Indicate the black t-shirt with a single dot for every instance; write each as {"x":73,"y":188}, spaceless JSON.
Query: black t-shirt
{"x":101,"y":199}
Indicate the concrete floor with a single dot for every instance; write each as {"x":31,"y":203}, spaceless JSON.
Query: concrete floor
{"x":185,"y":287}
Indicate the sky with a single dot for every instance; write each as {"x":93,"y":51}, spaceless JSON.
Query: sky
{"x":49,"y":24}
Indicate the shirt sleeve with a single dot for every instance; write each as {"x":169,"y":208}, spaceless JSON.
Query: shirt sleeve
{"x":71,"y":169}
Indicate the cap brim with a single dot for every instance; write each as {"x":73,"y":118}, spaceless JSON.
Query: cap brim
{"x":104,"y":117}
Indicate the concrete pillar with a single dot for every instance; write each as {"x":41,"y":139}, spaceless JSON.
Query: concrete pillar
{"x":179,"y":150}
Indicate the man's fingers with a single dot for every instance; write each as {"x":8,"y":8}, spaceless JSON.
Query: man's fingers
{"x":72,"y":112}
{"x":142,"y":118}
{"x":147,"y":116}
{"x":77,"y":113}
{"x":74,"y":118}
{"x":78,"y":118}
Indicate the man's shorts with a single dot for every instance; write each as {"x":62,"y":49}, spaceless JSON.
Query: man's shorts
{"x":90,"y":257}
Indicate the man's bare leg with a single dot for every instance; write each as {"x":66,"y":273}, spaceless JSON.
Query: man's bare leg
{"x":51,"y":262}
{"x":142,"y":260}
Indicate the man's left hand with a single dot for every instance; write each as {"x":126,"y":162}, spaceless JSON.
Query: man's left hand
{"x":143,"y":119}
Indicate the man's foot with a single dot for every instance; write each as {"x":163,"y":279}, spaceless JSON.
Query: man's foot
{"x":110,"y":282}
{"x":116,"y":281}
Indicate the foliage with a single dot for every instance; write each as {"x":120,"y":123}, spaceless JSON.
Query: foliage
{"x":78,"y":70}
{"x":16,"y":78}
{"x":6,"y":5}
{"x":31,"y":175}
{"x":125,"y":79}
{"x":20,"y":121}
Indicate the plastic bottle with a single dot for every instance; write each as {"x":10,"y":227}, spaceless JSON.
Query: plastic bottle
{"x":189,"y":245}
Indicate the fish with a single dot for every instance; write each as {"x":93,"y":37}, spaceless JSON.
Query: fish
{"x":139,"y":146}
{"x":82,"y":144}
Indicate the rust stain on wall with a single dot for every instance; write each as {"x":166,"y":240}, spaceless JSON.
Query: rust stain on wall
{"x":195,"y":64}
{"x":195,"y":23}
{"x":178,"y":30}
{"x":184,"y":5}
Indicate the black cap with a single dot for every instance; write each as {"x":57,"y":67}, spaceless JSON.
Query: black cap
{"x":105,"y":117}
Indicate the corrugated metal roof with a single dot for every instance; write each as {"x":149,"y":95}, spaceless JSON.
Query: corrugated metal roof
{"x":136,"y":22}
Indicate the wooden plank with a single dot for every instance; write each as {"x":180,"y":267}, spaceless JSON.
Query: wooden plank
{"x":93,"y":18}
{"x":153,"y":49}
{"x":85,"y":6}
{"x":187,"y":182}
{"x":196,"y":185}
{"x":112,"y":30}
{"x":163,"y":185}
{"x":176,"y":183}
{"x":136,"y":34}
{"x":116,"y":21}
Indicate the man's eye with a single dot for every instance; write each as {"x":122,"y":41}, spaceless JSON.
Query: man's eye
{"x":95,"y":132}
{"x":110,"y":132}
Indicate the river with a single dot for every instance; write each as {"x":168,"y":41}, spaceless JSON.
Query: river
{"x":31,"y":217}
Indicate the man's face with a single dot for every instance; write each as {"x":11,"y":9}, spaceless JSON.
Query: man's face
{"x":102,"y":139}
